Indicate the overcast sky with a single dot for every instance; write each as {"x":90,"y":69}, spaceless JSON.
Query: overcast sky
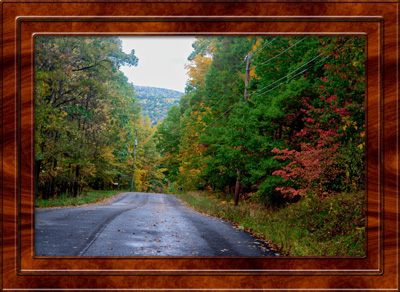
{"x":161,"y":60}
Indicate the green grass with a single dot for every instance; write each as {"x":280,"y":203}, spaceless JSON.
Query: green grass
{"x":86,"y":198}
{"x":334,"y":226}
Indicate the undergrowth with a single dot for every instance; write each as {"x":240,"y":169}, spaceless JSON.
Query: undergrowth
{"x":67,"y":200}
{"x":332,"y":226}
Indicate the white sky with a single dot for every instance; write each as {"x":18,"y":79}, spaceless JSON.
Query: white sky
{"x":161,"y":60}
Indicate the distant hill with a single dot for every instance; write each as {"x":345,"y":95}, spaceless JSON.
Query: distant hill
{"x":156,"y":101}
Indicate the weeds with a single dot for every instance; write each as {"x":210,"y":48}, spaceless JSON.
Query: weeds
{"x":333,"y":226}
{"x":86,"y":198}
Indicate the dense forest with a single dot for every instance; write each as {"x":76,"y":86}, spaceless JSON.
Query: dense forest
{"x":156,"y":101}
{"x":270,"y":133}
{"x":86,"y":115}
{"x":275,"y":117}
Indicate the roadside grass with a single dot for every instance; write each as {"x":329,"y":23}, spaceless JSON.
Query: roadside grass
{"x":333,"y":226}
{"x":66,"y":200}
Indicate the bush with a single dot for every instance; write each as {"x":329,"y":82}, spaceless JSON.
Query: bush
{"x":267,"y":193}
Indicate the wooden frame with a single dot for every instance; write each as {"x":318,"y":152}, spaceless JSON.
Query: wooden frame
{"x":21,"y":21}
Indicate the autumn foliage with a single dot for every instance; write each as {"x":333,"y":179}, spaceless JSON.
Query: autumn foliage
{"x":86,"y":114}
{"x":300,"y":129}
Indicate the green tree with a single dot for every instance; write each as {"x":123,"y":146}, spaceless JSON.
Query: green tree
{"x":84,"y":110}
{"x":305,"y":102}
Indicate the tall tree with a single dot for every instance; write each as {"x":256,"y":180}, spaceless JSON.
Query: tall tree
{"x":298,"y":130}
{"x":84,"y":111}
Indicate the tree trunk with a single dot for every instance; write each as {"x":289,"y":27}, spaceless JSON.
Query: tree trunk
{"x":53,"y":181}
{"x":76,"y":181}
{"x":46,"y":190}
{"x":63,"y":188}
{"x":237,"y":189}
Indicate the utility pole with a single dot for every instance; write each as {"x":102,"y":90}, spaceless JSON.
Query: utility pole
{"x":247,"y":75}
{"x":134,"y":161}
{"x":245,"y":98}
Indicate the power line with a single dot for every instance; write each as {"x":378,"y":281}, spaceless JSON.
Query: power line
{"x":293,"y":76}
{"x":266,"y":45}
{"x":229,"y":109}
{"x":244,"y":59}
{"x":239,"y":102}
{"x":319,"y":55}
{"x":278,"y":54}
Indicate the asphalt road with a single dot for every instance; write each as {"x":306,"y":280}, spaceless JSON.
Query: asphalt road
{"x":140,"y":224}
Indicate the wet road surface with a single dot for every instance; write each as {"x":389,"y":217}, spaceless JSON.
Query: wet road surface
{"x":140,"y":224}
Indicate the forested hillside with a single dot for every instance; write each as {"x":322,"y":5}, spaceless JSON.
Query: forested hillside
{"x":297,"y":129}
{"x":156,"y":101}
{"x":86,"y":114}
